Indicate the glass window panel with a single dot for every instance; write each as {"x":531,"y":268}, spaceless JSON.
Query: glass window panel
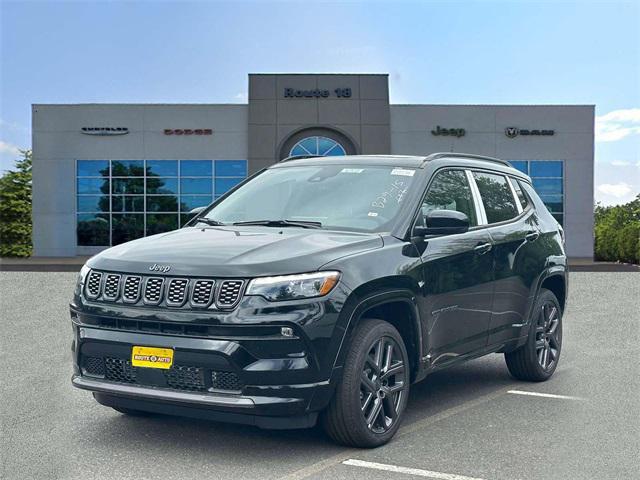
{"x":164,"y":186}
{"x":127,"y":203}
{"x":196,"y":185}
{"x":554,"y":207}
{"x":92,"y":203}
{"x":231,"y":168}
{"x":336,"y":151}
{"x":559,"y":217}
{"x":185,"y":217}
{"x":548,"y":186}
{"x":93,"y":185}
{"x":127,"y":185}
{"x":298,"y":150}
{"x":546,"y":169}
{"x":310,"y":145}
{"x":93,"y":168}
{"x":93,"y":230}
{"x":127,"y":227}
{"x":520,"y":165}
{"x":450,"y":191}
{"x":162,"y":168}
{"x":498,"y":200}
{"x":522,"y":198}
{"x":158,"y":223}
{"x":127,"y":168}
{"x":223,"y":185}
{"x":196,"y":168}
{"x":326,"y":146}
{"x":189,"y":202}
{"x":164,"y":203}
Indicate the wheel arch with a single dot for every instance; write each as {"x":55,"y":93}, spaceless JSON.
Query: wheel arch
{"x":556,"y":283}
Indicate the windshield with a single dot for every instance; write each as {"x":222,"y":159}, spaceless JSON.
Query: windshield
{"x":357,"y":198}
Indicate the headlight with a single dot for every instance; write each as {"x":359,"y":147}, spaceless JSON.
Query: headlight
{"x":291,"y":287}
{"x":82,"y":276}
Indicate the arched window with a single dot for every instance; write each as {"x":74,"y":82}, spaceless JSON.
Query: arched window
{"x":317,"y":146}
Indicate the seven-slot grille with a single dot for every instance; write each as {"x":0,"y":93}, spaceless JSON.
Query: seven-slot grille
{"x":229,"y":293}
{"x":202,"y":292}
{"x":93,"y":284}
{"x":111,"y":286}
{"x":167,"y":291}
{"x":177,"y":291}
{"x":131,"y":289}
{"x":153,"y":290}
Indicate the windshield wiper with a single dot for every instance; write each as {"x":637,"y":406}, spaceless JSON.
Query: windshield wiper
{"x":281,"y":223}
{"x":209,"y":221}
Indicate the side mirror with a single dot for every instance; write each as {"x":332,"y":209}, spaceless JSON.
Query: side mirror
{"x":196,"y":210}
{"x":443,"y":222}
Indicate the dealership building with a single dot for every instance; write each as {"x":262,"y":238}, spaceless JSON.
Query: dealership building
{"x":104,"y":174}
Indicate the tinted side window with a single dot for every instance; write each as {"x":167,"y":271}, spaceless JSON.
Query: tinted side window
{"x":498,"y":200}
{"x":522,"y":198}
{"x":450,"y":190}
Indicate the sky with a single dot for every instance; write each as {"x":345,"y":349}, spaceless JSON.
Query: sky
{"x":458,"y":52}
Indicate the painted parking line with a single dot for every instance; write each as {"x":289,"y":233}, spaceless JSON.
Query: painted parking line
{"x":545,"y":395}
{"x":418,"y":472}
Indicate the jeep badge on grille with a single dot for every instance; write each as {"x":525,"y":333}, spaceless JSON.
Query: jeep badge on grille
{"x":160,"y":268}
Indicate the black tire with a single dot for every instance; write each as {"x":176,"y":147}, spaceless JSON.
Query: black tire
{"x":385,"y":389}
{"x":536,"y":360}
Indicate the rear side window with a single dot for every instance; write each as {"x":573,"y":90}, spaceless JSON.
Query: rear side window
{"x":522,"y":198}
{"x":450,"y":190}
{"x":499,"y":204}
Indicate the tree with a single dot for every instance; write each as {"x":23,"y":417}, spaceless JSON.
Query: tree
{"x":15,"y":209}
{"x":617,"y":232}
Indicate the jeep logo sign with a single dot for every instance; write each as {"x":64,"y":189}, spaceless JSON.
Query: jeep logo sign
{"x":513,"y":132}
{"x":453,"y":132}
{"x":160,"y":268}
{"x":104,"y":131}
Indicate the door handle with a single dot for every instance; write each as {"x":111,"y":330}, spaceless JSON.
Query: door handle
{"x":482,"y":248}
{"x":532,"y":236}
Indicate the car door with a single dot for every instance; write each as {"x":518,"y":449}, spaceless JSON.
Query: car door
{"x":512,"y":225}
{"x":457,"y":272}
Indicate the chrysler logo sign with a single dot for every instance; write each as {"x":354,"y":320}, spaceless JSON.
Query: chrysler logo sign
{"x":104,"y":131}
{"x":513,"y":132}
{"x":188,"y":131}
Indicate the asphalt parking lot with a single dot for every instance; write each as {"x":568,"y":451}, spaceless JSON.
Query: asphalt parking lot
{"x":467,"y":422}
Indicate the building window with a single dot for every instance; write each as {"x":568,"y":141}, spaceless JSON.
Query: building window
{"x":318,"y":146}
{"x":121,"y":200}
{"x":548,"y":181}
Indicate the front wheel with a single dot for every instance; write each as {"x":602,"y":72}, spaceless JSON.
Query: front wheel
{"x":370,"y":399}
{"x":536,"y":360}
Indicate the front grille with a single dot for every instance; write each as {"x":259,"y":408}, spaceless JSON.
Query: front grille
{"x":229,"y":293}
{"x":201,"y":293}
{"x":177,"y":292}
{"x":225,"y":381}
{"x":111,"y":286}
{"x":93,"y":366}
{"x":119,"y":370}
{"x":178,"y":377}
{"x":153,"y":290}
{"x":93,"y":284}
{"x":185,"y":378}
{"x":131,"y":289}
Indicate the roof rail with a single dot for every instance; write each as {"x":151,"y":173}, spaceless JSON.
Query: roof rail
{"x":471,"y":156}
{"x":299,"y":157}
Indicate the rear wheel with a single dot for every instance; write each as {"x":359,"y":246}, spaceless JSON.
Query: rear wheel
{"x":538,"y":358}
{"x":370,"y":399}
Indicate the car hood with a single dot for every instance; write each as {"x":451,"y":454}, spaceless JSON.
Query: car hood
{"x":234,"y":251}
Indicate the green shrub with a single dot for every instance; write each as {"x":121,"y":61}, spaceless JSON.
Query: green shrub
{"x":15,"y":209}
{"x":617,"y":232}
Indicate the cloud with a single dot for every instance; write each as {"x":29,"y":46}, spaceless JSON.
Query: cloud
{"x":620,"y":163}
{"x":8,"y":149}
{"x":618,"y":190}
{"x":618,"y":124}
{"x":243,"y":97}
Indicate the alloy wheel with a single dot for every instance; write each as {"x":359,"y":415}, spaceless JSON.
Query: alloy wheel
{"x":383,"y":385}
{"x":548,"y":336}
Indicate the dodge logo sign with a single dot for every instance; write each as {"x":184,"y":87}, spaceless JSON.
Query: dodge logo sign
{"x":188,"y":131}
{"x":513,"y":132}
{"x":104,"y":131}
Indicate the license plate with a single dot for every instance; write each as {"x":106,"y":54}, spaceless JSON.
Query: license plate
{"x":151,"y":357}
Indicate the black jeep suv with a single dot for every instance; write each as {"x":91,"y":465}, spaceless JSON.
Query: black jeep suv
{"x":324,"y":287}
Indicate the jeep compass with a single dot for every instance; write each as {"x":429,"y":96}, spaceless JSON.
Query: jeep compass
{"x":320,"y":289}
